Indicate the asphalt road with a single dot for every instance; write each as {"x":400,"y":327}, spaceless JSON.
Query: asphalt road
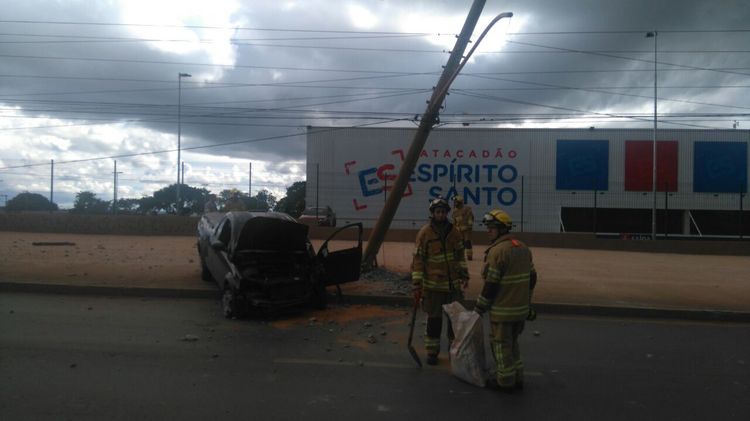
{"x":93,"y":358}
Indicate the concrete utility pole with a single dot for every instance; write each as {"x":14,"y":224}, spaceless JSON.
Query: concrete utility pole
{"x":52,"y":181}
{"x":179,"y":131}
{"x":653,"y":167}
{"x":114,"y":193}
{"x":250,"y":179}
{"x":429,"y":119}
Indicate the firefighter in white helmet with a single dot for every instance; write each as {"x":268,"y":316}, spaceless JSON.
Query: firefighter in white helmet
{"x":463,"y":220}
{"x":439,"y":273}
{"x":509,"y":281}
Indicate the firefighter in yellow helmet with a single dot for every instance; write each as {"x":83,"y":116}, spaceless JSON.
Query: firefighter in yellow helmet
{"x":439,"y":273}
{"x":509,"y":281}
{"x":463,"y":220}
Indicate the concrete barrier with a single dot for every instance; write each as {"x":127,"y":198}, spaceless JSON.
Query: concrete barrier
{"x":63,"y":222}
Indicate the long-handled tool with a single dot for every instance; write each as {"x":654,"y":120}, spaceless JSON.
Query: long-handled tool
{"x":409,"y":346}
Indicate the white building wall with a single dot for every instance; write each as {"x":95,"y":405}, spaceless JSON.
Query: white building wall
{"x":344,"y":156}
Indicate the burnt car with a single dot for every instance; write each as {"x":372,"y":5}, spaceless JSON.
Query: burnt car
{"x":264,"y":260}
{"x":324,"y":217}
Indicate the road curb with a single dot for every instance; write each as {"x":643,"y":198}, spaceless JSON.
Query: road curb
{"x":390,"y":300}
{"x":580,"y":309}
{"x":106,"y":290}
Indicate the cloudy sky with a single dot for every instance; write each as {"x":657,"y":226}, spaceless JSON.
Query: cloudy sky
{"x":85,"y":83}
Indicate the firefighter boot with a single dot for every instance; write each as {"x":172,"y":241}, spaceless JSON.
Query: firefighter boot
{"x":493,"y":385}
{"x":432,"y":359}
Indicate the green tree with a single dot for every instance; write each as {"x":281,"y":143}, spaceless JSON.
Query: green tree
{"x":294,"y":201}
{"x":30,"y":202}
{"x":192,"y":199}
{"x":262,"y":201}
{"x":128,"y":206}
{"x":87,"y":202}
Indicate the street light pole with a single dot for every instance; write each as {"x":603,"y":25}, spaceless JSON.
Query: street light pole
{"x":653,"y":35}
{"x":179,"y":130}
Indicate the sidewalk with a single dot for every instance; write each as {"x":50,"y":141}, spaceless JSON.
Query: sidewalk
{"x":570,"y":281}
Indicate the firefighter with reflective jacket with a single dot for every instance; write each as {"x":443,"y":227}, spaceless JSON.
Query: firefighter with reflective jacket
{"x":439,"y":273}
{"x":463,"y":220}
{"x":509,"y":280}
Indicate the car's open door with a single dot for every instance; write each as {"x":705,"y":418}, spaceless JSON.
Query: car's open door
{"x":343,"y":264}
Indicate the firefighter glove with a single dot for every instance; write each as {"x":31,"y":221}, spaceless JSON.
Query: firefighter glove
{"x":532,"y":314}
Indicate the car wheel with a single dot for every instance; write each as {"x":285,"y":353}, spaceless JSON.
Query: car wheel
{"x":319,"y":298}
{"x":230,"y":303}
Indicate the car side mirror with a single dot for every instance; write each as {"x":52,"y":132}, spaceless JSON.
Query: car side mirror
{"x":218,"y":245}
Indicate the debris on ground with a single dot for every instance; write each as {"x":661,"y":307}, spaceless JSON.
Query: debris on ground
{"x":52,"y":243}
{"x":396,"y":283}
{"x":190,"y":338}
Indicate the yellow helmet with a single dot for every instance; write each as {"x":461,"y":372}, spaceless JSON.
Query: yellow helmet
{"x":496,"y":218}
{"x":458,"y":199}
{"x":439,"y":203}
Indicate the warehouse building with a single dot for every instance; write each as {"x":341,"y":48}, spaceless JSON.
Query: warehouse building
{"x":548,"y":180}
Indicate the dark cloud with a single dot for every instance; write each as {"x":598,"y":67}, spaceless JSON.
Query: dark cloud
{"x":258,"y":105}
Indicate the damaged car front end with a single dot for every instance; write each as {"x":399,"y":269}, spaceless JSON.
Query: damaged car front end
{"x":265,"y":260}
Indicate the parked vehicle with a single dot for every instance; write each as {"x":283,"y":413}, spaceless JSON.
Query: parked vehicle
{"x":324,"y":217}
{"x":266,"y":260}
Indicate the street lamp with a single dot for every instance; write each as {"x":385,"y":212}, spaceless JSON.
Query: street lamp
{"x":179,"y":129}
{"x":653,"y":35}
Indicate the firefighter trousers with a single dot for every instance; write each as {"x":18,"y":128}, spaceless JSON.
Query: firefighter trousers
{"x":432,"y":304}
{"x":507,"y":353}
{"x":468,"y":251}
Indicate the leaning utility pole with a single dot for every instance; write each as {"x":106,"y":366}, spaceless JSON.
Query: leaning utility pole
{"x":429,"y":119}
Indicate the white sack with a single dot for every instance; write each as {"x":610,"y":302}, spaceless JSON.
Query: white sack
{"x":467,"y":350}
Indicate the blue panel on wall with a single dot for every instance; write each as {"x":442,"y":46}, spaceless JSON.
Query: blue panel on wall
{"x":582,"y":164}
{"x":720,"y":167}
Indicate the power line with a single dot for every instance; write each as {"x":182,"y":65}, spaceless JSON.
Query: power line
{"x":626,"y":58}
{"x":238,"y":142}
{"x":247,"y":42}
{"x":234,"y":28}
{"x":241,"y":28}
{"x":236,"y":41}
{"x":602,"y":91}
{"x":179,"y":63}
{"x":514,"y":101}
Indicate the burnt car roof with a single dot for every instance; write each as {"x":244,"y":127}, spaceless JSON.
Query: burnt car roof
{"x":274,"y":231}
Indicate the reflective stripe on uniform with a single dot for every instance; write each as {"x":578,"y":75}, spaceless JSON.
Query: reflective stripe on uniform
{"x":432,"y":345}
{"x":440,"y":258}
{"x":441,"y":285}
{"x":493,"y":275}
{"x":509,"y":311}
{"x":516,"y":279}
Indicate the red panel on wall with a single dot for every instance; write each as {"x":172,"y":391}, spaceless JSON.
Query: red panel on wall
{"x":638,"y":171}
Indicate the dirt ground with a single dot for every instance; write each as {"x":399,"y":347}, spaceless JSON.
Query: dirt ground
{"x":566,"y":276}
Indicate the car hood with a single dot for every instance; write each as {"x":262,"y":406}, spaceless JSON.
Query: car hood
{"x":272,"y":231}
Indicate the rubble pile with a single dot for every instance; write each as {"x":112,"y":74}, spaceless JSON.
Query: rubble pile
{"x":395,"y":283}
